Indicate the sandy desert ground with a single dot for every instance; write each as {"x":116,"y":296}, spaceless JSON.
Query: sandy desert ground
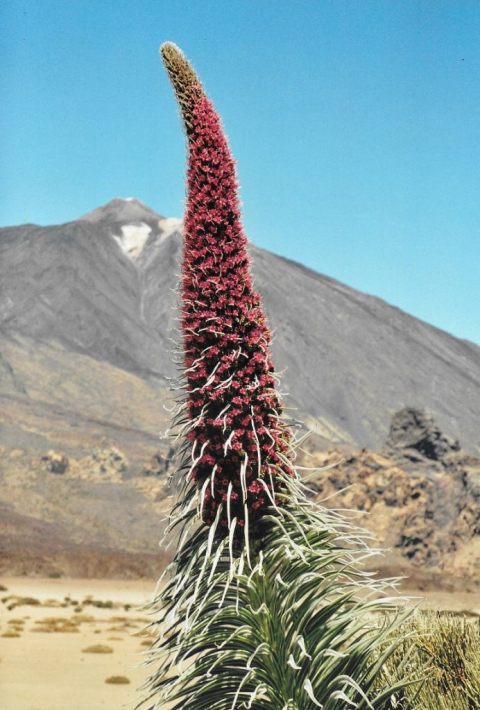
{"x":46,"y":625}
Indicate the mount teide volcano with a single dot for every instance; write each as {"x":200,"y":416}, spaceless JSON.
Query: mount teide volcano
{"x":94,"y":299}
{"x":87,"y":313}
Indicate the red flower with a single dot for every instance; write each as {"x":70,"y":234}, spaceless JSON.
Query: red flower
{"x":225,"y":335}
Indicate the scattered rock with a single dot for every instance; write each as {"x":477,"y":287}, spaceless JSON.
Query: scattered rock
{"x":55,"y":462}
{"x":106,"y":462}
{"x":159,"y":465}
{"x":108,"y":459}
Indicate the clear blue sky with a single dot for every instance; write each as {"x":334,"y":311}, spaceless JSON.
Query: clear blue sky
{"x":355,"y":124}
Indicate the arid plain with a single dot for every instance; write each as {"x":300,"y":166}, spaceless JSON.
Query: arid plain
{"x":73,"y":644}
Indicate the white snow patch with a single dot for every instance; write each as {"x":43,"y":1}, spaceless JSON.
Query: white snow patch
{"x":169,"y":225}
{"x":133,"y":239}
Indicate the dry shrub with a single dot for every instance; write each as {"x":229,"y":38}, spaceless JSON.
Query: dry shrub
{"x":20,"y":601}
{"x":117,"y":680}
{"x":10,"y":635}
{"x":98,"y":603}
{"x":59,"y":625}
{"x":84,"y":618}
{"x":448,"y":646}
{"x":27,"y":601}
{"x":98,"y":648}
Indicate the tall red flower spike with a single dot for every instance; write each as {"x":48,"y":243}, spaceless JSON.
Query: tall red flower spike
{"x":239,"y":442}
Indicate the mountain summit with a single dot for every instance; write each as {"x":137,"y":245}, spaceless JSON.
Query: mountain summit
{"x":131,"y":223}
{"x":121,"y":209}
{"x":103,"y":288}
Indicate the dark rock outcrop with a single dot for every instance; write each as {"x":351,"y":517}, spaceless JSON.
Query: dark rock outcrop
{"x":420,"y":496}
{"x":414,"y":437}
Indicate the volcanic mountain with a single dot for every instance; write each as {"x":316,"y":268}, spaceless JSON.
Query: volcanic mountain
{"x":87,"y":314}
{"x":88,"y":328}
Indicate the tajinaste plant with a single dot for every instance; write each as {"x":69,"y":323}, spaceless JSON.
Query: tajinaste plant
{"x":239,"y":441}
{"x":265,"y":604}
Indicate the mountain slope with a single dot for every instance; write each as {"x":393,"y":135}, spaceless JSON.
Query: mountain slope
{"x":354,"y":359}
{"x":103,"y":287}
{"x":87,"y":326}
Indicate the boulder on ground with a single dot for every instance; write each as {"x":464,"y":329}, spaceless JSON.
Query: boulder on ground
{"x":55,"y":461}
{"x":414,"y":435}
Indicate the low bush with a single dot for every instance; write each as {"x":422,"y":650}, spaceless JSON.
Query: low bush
{"x":448,"y":647}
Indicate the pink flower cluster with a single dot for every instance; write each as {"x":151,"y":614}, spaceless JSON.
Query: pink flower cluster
{"x":239,"y":440}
